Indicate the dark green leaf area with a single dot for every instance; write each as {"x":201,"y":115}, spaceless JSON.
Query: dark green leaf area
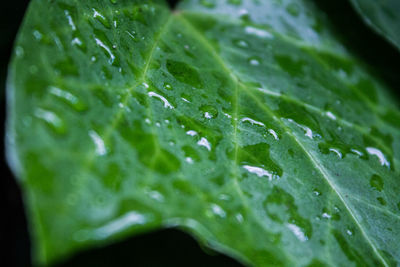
{"x":248,"y":124}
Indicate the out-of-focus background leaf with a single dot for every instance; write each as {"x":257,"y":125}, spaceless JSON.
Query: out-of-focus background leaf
{"x":383,"y":16}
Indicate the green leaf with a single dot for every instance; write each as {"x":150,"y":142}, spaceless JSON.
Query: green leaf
{"x":382,"y":16}
{"x":246,"y":123}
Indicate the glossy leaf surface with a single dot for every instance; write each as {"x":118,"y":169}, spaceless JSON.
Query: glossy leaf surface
{"x":382,"y":16}
{"x":245,"y":122}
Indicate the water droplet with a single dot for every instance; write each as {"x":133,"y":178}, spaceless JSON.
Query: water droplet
{"x":19,"y":51}
{"x":107,"y":50}
{"x":252,"y":122}
{"x":224,"y":197}
{"x":76,"y":41}
{"x":376,"y":182}
{"x":330,"y":115}
{"x":380,"y":155}
{"x":217,"y":210}
{"x":260,"y":172}
{"x":163,"y":99}
{"x":167,"y":86}
{"x":358,"y":153}
{"x":254,"y":61}
{"x":239,"y":217}
{"x":156,"y":195}
{"x":244,"y":15}
{"x":98,"y":142}
{"x":38,"y":35}
{"x":69,"y":98}
{"x":326,"y":215}
{"x":258,"y":32}
{"x":54,"y":121}
{"x":307,"y":131}
{"x":349,"y":232}
{"x":119,"y":224}
{"x":337,"y":152}
{"x":296,"y":230}
{"x":274,"y":134}
{"x":97,"y":15}
{"x":70,"y":20}
{"x":209,"y":111}
{"x":132,"y":34}
{"x":191,"y":133}
{"x":255,"y":158}
{"x":189,"y":160}
{"x":204,"y":142}
{"x":316,"y":192}
{"x":240,"y":43}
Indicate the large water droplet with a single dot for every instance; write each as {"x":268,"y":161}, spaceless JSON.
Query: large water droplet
{"x":252,"y":122}
{"x":260,"y":172}
{"x":209,"y":111}
{"x":103,"y":20}
{"x":254,"y":61}
{"x":160,"y":97}
{"x":51,"y":119}
{"x":70,"y":20}
{"x":69,"y":98}
{"x":297,"y":231}
{"x":106,"y":49}
{"x":98,"y":142}
{"x":258,"y":32}
{"x":380,"y":155}
{"x":205,"y":143}
{"x":217,"y":210}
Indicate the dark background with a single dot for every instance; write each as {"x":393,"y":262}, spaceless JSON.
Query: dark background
{"x":164,"y":247}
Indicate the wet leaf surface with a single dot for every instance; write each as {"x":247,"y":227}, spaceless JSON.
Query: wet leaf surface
{"x":246,"y":123}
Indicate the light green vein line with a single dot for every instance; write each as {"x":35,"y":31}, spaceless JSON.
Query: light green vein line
{"x":371,"y":205}
{"x":313,"y":160}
